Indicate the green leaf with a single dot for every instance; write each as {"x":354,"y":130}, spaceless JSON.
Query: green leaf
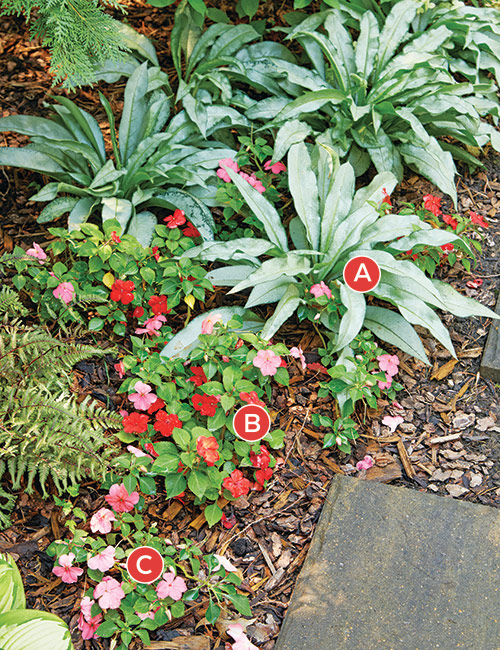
{"x":25,"y":158}
{"x":95,"y":324}
{"x":138,"y":42}
{"x":80,"y":213}
{"x":198,"y":483}
{"x":304,"y":190}
{"x":213,"y":514}
{"x":182,"y":438}
{"x":432,"y":162}
{"x":34,"y":126}
{"x":168,"y":463}
{"x":26,"y":629}
{"x":284,"y":309}
{"x":274,"y":268}
{"x":134,"y":112}
{"x":352,"y":321}
{"x":367,"y":45}
{"x":309,"y":102}
{"x":142,"y":226}
{"x":395,"y":30}
{"x":213,"y":612}
{"x":57,"y":208}
{"x":337,"y":204}
{"x":119,"y":209}
{"x":460,"y":305}
{"x":392,"y":328}
{"x":11,"y":585}
{"x":250,"y":7}
{"x":107,"y":629}
{"x":241,"y":603}
{"x":292,"y":132}
{"x":175,"y":484}
{"x":264,"y":211}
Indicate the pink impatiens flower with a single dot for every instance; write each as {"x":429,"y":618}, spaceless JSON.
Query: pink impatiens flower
{"x":253,"y":181}
{"x":267,"y":361}
{"x":383,"y":385}
{"x":38,"y":252}
{"x":88,"y":624}
{"x":152,"y":325}
{"x":143,"y":398}
{"x":120,"y":500}
{"x":101,"y":521}
{"x":65,"y":571}
{"x":171,"y":586}
{"x":65,"y":291}
{"x":207,"y":325}
{"x":320,"y":289}
{"x":138,"y":453}
{"x":297,"y":353}
{"x":274,"y":169}
{"x":86,"y":606}
{"x":104,"y":560}
{"x":120,"y":368}
{"x":224,"y":562}
{"x":222,"y":173}
{"x":109,"y":593}
{"x":241,"y":641}
{"x":392,"y":422}
{"x":366,"y":463}
{"x":388,"y":363}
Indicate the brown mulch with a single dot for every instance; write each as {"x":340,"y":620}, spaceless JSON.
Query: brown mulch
{"x":273,"y":530}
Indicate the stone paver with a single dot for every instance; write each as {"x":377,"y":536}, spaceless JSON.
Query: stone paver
{"x":393,"y":569}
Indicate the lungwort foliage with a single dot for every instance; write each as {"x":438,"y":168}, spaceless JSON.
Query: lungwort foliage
{"x":383,"y":93}
{"x":149,"y":167}
{"x":333,"y":224}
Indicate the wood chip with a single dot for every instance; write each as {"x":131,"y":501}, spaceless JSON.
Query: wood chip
{"x":200,"y":519}
{"x":181,"y":643}
{"x":441,"y":439}
{"x":445,"y":370}
{"x":405,"y":459}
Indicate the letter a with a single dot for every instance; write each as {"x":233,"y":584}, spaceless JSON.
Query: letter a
{"x":252,"y":422}
{"x":365,"y":275}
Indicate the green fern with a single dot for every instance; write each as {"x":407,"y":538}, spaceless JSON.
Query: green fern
{"x":44,"y":431}
{"x":78,"y":33}
{"x":10,"y":305}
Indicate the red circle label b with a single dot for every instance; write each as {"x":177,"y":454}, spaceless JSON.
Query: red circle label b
{"x":251,"y":422}
{"x":361,"y":274}
{"x":145,"y":565}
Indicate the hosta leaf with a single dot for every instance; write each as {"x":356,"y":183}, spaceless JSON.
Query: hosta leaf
{"x":291,"y":265}
{"x":29,"y":629}
{"x":265,"y":212}
{"x":11,"y":585}
{"x":242,"y":248}
{"x":134,"y":112}
{"x":196,"y":211}
{"x":267,"y":292}
{"x":284,"y":309}
{"x":138,"y":42}
{"x":142,"y":227}
{"x":57,"y":208}
{"x":229,"y":276}
{"x":119,"y":209}
{"x":374,"y":192}
{"x":80,"y":213}
{"x":395,"y":30}
{"x":352,"y":321}
{"x":392,"y":328}
{"x":460,"y":305}
{"x":433,"y":163}
{"x":292,"y":132}
{"x":367,"y":45}
{"x":309,"y":102}
{"x":337,"y":204}
{"x":28,"y":125}
{"x":187,"y":339}
{"x":88,"y":125}
{"x":29,"y":159}
{"x":304,"y":190}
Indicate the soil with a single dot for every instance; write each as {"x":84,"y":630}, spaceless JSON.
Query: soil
{"x":273,"y":530}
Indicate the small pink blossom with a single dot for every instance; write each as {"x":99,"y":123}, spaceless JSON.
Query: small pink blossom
{"x":274,"y":169}
{"x":320,"y":289}
{"x":366,"y":463}
{"x":65,"y":570}
{"x":392,"y":422}
{"x":222,"y":173}
{"x":38,"y":252}
{"x":120,"y":500}
{"x":267,"y":361}
{"x":104,"y":560}
{"x":171,"y":586}
{"x":388,"y":363}
{"x":384,"y":385}
{"x":253,"y":181}
{"x":152,"y":325}
{"x":143,"y":397}
{"x":207,"y":325}
{"x":138,"y":453}
{"x":101,"y":521}
{"x":297,"y":353}
{"x":143,"y":616}
{"x":224,"y":562}
{"x":86,"y":606}
{"x":88,"y":626}
{"x":241,"y":641}
{"x":109,"y":593}
{"x":65,"y":291}
{"x":120,"y":369}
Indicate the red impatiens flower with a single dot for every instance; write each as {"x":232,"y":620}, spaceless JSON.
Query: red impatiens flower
{"x":478,"y":219}
{"x":156,"y":254}
{"x":115,"y":237}
{"x":149,"y":447}
{"x":199,"y":378}
{"x":228,"y":522}
{"x":238,"y":345}
{"x":156,"y":406}
{"x":205,"y":404}
{"x":159,"y":305}
{"x":138,"y":312}
{"x":135,"y":423}
{"x":191,"y":231}
{"x":237,"y":484}
{"x":261,"y":460}
{"x":387,"y":198}
{"x":433,"y":204}
{"x":207,"y":448}
{"x":317,"y":367}
{"x":263,"y":475}
{"x":447,"y":248}
{"x":175,"y":220}
{"x":251,"y":398}
{"x":121,"y":291}
{"x":166,"y":422}
{"x":450,"y":221}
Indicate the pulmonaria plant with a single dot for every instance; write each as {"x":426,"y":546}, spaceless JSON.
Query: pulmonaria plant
{"x":112,"y":605}
{"x":102,"y":279}
{"x":180,"y":421}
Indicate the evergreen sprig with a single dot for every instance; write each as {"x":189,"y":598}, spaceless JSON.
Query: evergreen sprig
{"x":78,"y":33}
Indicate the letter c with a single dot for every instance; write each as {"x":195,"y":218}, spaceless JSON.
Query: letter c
{"x":143,"y":557}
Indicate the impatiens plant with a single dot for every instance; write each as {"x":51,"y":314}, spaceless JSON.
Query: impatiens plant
{"x":382,"y":94}
{"x":182,"y":425}
{"x":113,"y":604}
{"x":70,"y":148}
{"x":21,"y":628}
{"x":333,"y":224}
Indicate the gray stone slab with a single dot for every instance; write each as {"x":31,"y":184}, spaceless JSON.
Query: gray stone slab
{"x":394,"y":569}
{"x":490,"y":363}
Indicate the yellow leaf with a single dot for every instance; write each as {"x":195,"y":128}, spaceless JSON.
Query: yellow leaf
{"x":190,"y":300}
{"x":108,"y":279}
